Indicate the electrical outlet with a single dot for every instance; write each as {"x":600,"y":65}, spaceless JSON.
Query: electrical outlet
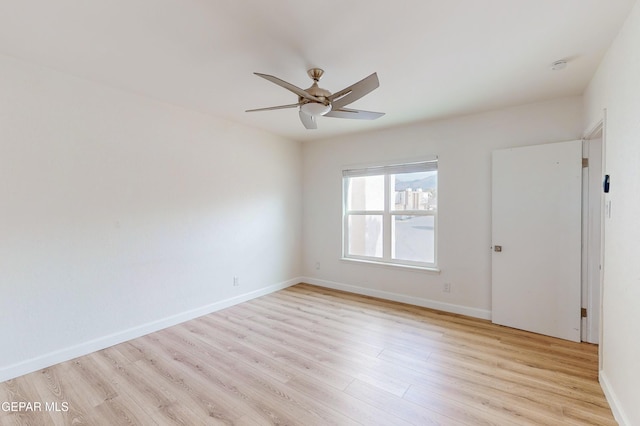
{"x":446,"y":287}
{"x":236,"y":281}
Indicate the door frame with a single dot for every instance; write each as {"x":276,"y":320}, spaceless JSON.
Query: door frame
{"x":595,"y":131}
{"x":592,"y":213}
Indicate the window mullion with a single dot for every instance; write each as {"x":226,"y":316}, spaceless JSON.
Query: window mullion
{"x":414,"y":212}
{"x":361,"y":212}
{"x":386,"y":220}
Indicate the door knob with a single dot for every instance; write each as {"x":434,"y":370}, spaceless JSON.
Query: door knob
{"x":497,"y":248}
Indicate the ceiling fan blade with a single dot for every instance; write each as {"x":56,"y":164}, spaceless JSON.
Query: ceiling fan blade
{"x":273,"y":107}
{"x":295,"y":89}
{"x":354,"y":92}
{"x":309,"y":121}
{"x":354,"y":113}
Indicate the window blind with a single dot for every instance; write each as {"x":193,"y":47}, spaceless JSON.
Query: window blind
{"x":422,"y":166}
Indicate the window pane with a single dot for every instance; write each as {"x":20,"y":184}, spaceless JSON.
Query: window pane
{"x":414,"y":191}
{"x":365,"y":235}
{"x":413,"y":238}
{"x":365,"y":193}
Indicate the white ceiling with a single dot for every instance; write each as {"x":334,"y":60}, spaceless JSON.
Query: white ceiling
{"x":434,"y":59}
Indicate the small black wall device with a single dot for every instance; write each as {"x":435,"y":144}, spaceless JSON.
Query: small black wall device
{"x":606,"y":183}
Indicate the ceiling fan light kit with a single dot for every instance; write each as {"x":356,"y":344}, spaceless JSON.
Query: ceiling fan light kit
{"x":314,"y":108}
{"x":316,"y":101}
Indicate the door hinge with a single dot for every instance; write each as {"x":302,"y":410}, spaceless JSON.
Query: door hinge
{"x":585,"y":162}
{"x":583,"y":312}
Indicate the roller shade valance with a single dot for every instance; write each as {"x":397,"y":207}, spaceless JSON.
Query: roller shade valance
{"x":422,"y":166}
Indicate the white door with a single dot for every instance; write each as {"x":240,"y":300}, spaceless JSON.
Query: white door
{"x":536,"y":232}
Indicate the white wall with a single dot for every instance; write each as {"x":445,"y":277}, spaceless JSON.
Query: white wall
{"x":464,"y":147}
{"x":120,"y":215}
{"x":616,"y":87}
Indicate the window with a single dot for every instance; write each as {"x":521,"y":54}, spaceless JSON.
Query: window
{"x":390,"y":214}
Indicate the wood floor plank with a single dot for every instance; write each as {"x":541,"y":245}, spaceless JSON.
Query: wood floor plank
{"x":407,"y":410}
{"x":315,"y":356}
{"x":195,"y":368}
{"x":366,"y":368}
{"x":119,"y":411}
{"x":252,"y":381}
{"x":345,"y":403}
{"x":149,"y":394}
{"x":284,"y":354}
{"x":324,"y":336}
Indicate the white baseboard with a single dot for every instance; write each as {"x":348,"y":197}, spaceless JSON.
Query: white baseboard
{"x":403,"y":298}
{"x":52,"y":358}
{"x":612,"y":399}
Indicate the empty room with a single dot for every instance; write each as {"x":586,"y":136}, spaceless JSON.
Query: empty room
{"x":332,"y":213}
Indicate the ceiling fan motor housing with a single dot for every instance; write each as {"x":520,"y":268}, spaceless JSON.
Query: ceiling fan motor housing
{"x":314,"y":90}
{"x":318,"y":92}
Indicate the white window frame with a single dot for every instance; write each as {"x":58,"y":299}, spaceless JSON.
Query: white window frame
{"x":387,"y":213}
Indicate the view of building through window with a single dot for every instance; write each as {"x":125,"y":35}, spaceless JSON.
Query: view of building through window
{"x":413,"y":235}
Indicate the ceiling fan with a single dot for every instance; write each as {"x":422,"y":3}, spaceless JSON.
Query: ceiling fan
{"x":316,"y":101}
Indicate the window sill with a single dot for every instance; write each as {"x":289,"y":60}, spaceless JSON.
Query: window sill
{"x":393,"y":265}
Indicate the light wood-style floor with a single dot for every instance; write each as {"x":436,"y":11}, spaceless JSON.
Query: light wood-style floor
{"x":313,"y":356}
